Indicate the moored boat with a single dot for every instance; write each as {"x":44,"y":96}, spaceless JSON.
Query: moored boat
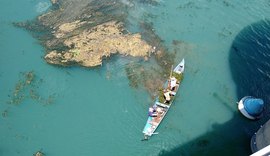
{"x":164,"y":101}
{"x":251,"y":107}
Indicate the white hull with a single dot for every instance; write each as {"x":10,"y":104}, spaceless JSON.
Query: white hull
{"x":242,"y":109}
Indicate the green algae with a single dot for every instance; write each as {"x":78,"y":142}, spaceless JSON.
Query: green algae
{"x":27,"y":88}
{"x":179,"y":77}
{"x":24,"y":83}
{"x":5,"y":113}
{"x":94,"y":13}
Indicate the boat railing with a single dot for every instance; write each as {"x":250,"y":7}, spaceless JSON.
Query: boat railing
{"x":162,"y":105}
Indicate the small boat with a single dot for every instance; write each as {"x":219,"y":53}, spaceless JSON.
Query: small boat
{"x":251,"y":107}
{"x":164,"y":101}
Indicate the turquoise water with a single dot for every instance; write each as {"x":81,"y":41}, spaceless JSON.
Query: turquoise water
{"x":95,"y":112}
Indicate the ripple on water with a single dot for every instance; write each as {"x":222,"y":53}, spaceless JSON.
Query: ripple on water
{"x":249,"y":61}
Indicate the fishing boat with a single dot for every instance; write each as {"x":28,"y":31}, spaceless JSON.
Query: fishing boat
{"x":164,"y":101}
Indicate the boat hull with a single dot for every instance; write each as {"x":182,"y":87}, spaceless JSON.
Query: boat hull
{"x":161,"y":106}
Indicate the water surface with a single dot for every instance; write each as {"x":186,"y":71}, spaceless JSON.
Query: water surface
{"x":96,"y":112}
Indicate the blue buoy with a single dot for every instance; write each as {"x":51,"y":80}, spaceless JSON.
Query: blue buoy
{"x":251,"y":107}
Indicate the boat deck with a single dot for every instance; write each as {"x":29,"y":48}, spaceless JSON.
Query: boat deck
{"x":156,"y":120}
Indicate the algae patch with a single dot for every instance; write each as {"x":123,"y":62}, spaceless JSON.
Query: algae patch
{"x":85,"y":33}
{"x":27,"y":87}
{"x":90,"y":31}
{"x":90,"y":46}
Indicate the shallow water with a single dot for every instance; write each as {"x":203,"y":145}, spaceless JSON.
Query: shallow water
{"x":96,"y":112}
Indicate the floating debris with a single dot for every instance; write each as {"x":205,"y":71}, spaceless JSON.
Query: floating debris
{"x":38,"y":153}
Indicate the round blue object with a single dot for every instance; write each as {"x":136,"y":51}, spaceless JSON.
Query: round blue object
{"x":253,"y":106}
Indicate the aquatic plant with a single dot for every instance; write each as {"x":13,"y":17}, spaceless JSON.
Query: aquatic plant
{"x":21,"y":86}
{"x":179,"y":77}
{"x":161,"y":97}
{"x":26,"y":87}
{"x":88,"y":13}
{"x":163,"y":56}
{"x":189,"y":5}
{"x":5,"y":113}
{"x":152,"y":77}
{"x":151,"y":2}
{"x":66,"y":28}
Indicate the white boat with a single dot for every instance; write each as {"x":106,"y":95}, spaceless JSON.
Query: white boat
{"x":164,"y":101}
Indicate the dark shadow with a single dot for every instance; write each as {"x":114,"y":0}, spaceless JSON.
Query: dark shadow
{"x":231,"y":138}
{"x":249,"y":61}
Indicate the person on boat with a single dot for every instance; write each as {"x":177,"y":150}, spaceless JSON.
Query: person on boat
{"x":152,"y":112}
{"x":172,"y":83}
{"x":167,"y":96}
{"x":159,"y":112}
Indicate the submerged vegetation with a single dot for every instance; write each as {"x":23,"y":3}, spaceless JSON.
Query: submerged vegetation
{"x":89,"y":31}
{"x":153,"y":76}
{"x":92,"y":29}
{"x":179,"y":77}
{"x":5,"y":113}
{"x":27,"y":87}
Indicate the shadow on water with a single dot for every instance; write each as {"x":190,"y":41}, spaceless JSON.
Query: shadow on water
{"x":231,"y":138}
{"x":249,"y":63}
